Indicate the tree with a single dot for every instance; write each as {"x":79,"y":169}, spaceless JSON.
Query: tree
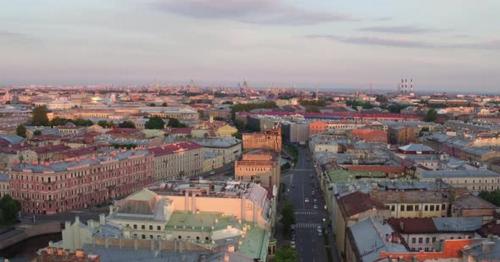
{"x":431,"y":115}
{"x":9,"y":209}
{"x":285,"y":254}
{"x":287,"y":218}
{"x":155,"y":123}
{"x":492,"y":197}
{"x":126,"y":124}
{"x":164,"y":104}
{"x":312,"y":109}
{"x":152,"y":104}
{"x":39,"y":115}
{"x":174,"y":122}
{"x":21,"y":130}
{"x":82,"y":122}
{"x":105,"y":124}
{"x":37,"y":132}
{"x":57,"y":121}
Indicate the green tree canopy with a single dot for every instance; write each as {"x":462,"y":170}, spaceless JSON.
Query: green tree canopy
{"x":106,"y":124}
{"x":174,"y":122}
{"x":21,"y":130}
{"x":37,"y":132}
{"x":431,"y":115}
{"x":285,"y":254}
{"x":155,"y":122}
{"x":126,"y":124}
{"x":82,"y":122}
{"x":287,"y":218}
{"x":8,"y":210}
{"x":39,"y":115}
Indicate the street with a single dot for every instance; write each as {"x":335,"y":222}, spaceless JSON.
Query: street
{"x":303,"y":191}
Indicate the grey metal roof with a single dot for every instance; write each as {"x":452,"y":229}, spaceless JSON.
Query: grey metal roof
{"x":457,"y":224}
{"x":369,"y":237}
{"x":458,"y":173}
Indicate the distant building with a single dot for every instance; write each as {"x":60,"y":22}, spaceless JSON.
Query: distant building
{"x":269,"y":139}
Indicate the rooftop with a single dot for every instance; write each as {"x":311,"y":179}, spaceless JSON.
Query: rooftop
{"x":481,"y":173}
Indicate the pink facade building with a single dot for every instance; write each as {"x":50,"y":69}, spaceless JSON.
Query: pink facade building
{"x":68,"y":185}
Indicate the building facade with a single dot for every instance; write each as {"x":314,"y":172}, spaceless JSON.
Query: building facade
{"x":65,"y":186}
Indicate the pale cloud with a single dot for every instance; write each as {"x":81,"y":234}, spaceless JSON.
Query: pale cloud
{"x":400,"y":29}
{"x":408,"y":43}
{"x":249,"y":11}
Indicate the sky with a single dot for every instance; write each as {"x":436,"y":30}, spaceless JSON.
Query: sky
{"x":444,"y":45}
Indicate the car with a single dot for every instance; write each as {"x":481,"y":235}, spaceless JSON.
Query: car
{"x":315,"y":206}
{"x":292,"y":244}
{"x":318,"y":228}
{"x":315,"y":200}
{"x":306,"y":200}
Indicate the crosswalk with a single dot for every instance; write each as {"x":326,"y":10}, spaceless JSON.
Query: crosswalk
{"x":306,"y":212}
{"x":306,"y":225}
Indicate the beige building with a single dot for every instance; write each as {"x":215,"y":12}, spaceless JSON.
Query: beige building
{"x":184,"y":216}
{"x":4,"y":185}
{"x":259,"y":166}
{"x":228,"y":147}
{"x":212,"y":161}
{"x":475,"y":180}
{"x":414,"y":203}
{"x":176,"y":160}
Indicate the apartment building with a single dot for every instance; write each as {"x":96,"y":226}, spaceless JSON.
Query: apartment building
{"x":67,"y":185}
{"x":177,"y":160}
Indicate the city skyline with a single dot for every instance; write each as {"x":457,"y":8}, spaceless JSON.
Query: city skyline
{"x":446,"y":46}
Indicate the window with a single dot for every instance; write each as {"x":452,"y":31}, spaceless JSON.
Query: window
{"x":417,"y":207}
{"x":420,"y":240}
{"x":179,"y":237}
{"x":432,"y":208}
{"x":433,"y":239}
{"x":143,"y":227}
{"x":135,"y":226}
{"x":443,"y":207}
{"x":150,"y":227}
{"x":427,"y":239}
{"x":409,"y":208}
{"x":158,"y":228}
{"x":143,"y":236}
{"x":437,"y":207}
{"x":413,"y":240}
{"x":393,"y":208}
{"x":402,"y":207}
{"x":426,"y":208}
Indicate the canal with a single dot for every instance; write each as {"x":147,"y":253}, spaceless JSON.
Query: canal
{"x":26,"y":250}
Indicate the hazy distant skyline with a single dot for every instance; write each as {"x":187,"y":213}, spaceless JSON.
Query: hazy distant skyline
{"x":445,"y":45}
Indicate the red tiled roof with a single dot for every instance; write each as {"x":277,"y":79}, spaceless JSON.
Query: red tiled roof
{"x":492,"y":228}
{"x":51,"y":149}
{"x":181,"y":130}
{"x":173,"y":148}
{"x":413,"y":225}
{"x":451,"y":249}
{"x":358,"y":202}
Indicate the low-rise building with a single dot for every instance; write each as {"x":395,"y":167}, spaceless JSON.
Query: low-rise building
{"x":414,"y":203}
{"x":474,"y":180}
{"x":67,"y":185}
{"x":209,"y":218}
{"x":228,"y":147}
{"x":259,"y":166}
{"x":426,"y":233}
{"x":177,"y":160}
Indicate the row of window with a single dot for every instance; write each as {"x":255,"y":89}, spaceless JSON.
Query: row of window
{"x":416,"y":207}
